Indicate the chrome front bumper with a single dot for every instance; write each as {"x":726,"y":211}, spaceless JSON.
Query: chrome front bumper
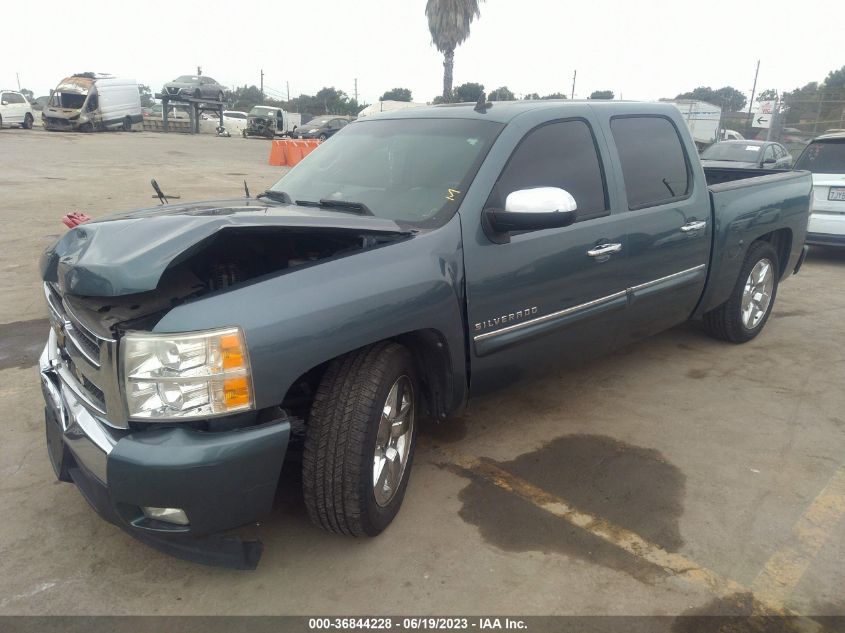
{"x":88,"y":438}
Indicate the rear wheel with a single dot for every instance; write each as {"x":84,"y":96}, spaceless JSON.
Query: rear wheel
{"x":359,"y":443}
{"x":127,"y":124}
{"x":323,"y":137}
{"x":27,"y":122}
{"x":745,"y":313}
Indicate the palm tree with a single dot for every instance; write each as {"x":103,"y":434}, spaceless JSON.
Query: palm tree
{"x":448,"y":21}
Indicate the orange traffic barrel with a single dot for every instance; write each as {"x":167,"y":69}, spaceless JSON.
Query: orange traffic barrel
{"x":277,"y":153}
{"x":293,"y":153}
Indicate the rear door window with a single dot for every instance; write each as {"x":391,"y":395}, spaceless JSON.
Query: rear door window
{"x":653,"y":160}
{"x":562,"y":154}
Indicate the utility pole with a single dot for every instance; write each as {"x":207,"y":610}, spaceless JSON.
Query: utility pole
{"x":356,"y":90}
{"x":19,"y":81}
{"x":287,"y":85}
{"x":753,"y":92}
{"x":574,"y":75}
{"x":199,"y":71}
{"x":262,"y":85}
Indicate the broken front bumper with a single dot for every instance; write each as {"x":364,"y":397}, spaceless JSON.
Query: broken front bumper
{"x":220,"y":480}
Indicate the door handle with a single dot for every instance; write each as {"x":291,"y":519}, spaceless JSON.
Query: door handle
{"x":693,"y":226}
{"x":604,"y":249}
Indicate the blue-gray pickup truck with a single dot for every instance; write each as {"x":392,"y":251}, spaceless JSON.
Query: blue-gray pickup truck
{"x":414,"y":260}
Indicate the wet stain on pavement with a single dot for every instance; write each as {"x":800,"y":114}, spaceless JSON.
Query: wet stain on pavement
{"x":21,"y":342}
{"x":697,"y":373}
{"x":791,"y":313}
{"x":737,"y":613}
{"x":632,"y":487}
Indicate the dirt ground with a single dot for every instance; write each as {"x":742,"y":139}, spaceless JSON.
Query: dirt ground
{"x":680,"y":475}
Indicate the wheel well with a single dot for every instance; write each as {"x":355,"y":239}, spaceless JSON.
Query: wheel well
{"x":782,"y":242}
{"x":431,"y":353}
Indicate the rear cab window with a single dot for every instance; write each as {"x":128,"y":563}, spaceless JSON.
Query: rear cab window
{"x":559,"y":154}
{"x":654,"y":163}
{"x":823,"y":157}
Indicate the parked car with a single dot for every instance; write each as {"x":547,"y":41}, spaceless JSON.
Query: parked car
{"x":268,"y":121}
{"x":825,"y":158}
{"x":15,"y":110}
{"x":731,"y":135}
{"x":89,"y":102}
{"x":747,"y":154}
{"x":234,"y":122}
{"x":174,"y":111}
{"x":322,"y":127}
{"x":196,"y":87}
{"x":39,"y":103}
{"x":193,"y":343}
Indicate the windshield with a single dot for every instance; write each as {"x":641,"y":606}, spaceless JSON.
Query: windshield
{"x":410,"y":170}
{"x":70,"y":100}
{"x":317,"y":122}
{"x":823,"y":157}
{"x":187,"y":79}
{"x":738,"y":152}
{"x":263,"y":112}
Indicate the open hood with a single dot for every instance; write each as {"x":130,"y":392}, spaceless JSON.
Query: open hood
{"x":127,"y":253}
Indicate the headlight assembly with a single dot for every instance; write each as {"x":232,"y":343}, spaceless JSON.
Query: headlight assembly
{"x":176,"y":376}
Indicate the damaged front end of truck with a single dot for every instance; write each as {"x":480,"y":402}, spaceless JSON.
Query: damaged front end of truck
{"x":164,"y":433}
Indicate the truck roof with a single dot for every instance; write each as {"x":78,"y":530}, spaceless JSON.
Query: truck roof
{"x":505,"y":111}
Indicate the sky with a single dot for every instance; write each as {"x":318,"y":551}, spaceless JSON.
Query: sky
{"x":640,"y":50}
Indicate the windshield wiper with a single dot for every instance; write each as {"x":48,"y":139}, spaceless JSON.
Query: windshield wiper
{"x":277,"y":196}
{"x":346,"y":205}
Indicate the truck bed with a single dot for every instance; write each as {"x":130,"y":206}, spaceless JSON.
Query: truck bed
{"x":722,"y":175}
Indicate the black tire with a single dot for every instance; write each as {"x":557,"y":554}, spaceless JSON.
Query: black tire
{"x":127,"y":124}
{"x":27,"y":122}
{"x":323,"y":137}
{"x":725,"y":322}
{"x":340,"y":440}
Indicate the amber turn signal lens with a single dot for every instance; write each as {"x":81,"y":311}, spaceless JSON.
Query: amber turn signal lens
{"x":236,"y":392}
{"x":232,"y":352}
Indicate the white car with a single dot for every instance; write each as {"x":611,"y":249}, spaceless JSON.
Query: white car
{"x":233,"y":120}
{"x":15,"y":110}
{"x":825,"y":157}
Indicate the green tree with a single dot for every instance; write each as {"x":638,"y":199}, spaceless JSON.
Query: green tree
{"x":397,"y":94}
{"x":467,"y":92}
{"x":501,"y":94}
{"x":728,"y":98}
{"x":531,"y":96}
{"x":767,"y":95}
{"x":449,"y":22}
{"x":555,"y":95}
{"x":30,"y":96}
{"x":146,"y":95}
{"x":601,"y":94}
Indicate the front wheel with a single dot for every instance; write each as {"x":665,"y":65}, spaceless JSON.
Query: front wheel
{"x":27,"y":122}
{"x":744,"y":314}
{"x":323,"y":137}
{"x":359,"y":443}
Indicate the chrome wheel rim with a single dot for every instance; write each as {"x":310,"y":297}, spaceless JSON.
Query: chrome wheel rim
{"x":757,"y":294}
{"x":393,"y":440}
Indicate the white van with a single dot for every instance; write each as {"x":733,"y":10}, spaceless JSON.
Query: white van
{"x":15,"y":109}
{"x":89,"y":102}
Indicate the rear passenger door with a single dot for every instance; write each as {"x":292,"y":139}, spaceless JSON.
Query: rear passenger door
{"x":546,"y":296}
{"x":666,"y":209}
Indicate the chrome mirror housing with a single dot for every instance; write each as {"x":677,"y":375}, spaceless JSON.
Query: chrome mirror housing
{"x":533,"y":210}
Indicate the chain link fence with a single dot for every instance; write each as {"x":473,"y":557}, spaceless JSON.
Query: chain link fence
{"x":800,"y":118}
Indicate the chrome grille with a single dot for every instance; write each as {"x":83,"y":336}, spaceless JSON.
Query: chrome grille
{"x":86,"y":361}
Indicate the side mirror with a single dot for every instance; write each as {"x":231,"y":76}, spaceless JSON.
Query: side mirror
{"x":4,"y":103}
{"x":533,"y":210}
{"x":769,"y":161}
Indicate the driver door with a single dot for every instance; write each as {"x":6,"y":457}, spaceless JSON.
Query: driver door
{"x":548,"y":296}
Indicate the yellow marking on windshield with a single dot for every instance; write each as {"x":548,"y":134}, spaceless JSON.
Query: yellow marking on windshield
{"x":451,"y":194}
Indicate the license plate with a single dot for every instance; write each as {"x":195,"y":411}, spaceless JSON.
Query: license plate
{"x":836,"y":193}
